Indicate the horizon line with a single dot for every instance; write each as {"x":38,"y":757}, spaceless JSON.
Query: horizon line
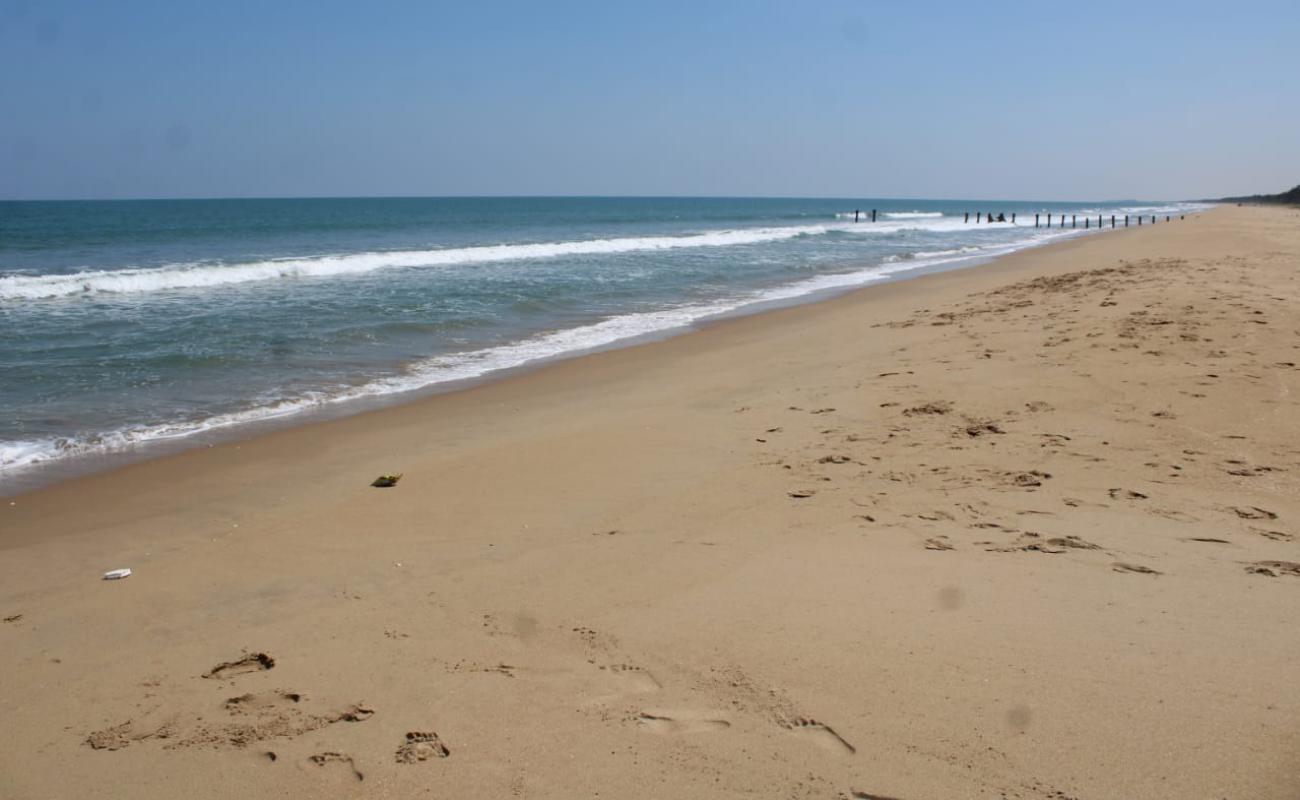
{"x":590,"y":197}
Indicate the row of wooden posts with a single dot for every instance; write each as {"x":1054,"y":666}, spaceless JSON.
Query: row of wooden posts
{"x":1074,"y":219}
{"x":1087,"y":221}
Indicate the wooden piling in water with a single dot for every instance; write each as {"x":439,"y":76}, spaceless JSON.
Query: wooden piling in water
{"x":1074,"y":220}
{"x":1087,"y":223}
{"x":1035,"y":220}
{"x":1013,"y":218}
{"x":873,"y":215}
{"x":967,"y":217}
{"x":1112,"y":220}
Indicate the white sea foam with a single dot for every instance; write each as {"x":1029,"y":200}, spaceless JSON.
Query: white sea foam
{"x":207,"y":275}
{"x":476,"y":363}
{"x":889,"y":214}
{"x":928,"y":254}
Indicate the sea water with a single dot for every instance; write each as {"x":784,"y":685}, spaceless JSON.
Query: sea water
{"x":124,"y":324}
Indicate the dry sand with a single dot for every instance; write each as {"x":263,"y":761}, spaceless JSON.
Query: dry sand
{"x":1023,"y":531}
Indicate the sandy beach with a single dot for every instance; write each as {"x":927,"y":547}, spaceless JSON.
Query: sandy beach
{"x":1026,"y":530}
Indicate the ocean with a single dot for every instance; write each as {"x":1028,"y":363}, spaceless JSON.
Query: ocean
{"x":130,"y":326}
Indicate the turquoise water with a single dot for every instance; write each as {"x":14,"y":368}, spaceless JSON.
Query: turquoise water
{"x":128,"y":323}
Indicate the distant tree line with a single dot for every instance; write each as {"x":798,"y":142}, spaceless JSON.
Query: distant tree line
{"x":1292,"y":197}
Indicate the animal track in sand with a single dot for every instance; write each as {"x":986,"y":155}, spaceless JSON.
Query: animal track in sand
{"x":677,"y":722}
{"x":1120,"y":566}
{"x":820,"y":733}
{"x":331,"y":757}
{"x":421,"y":746}
{"x":253,"y":662}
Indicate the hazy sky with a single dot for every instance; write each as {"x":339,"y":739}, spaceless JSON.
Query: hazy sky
{"x":1042,"y":100}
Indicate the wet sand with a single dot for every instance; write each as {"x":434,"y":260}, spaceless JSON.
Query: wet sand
{"x":1026,"y":530}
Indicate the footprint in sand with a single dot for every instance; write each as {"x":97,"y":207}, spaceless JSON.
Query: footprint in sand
{"x":253,"y":662}
{"x":819,"y":733}
{"x":1272,"y":569}
{"x":1252,"y":512}
{"x":633,"y":678}
{"x":421,"y":746}
{"x":677,"y":722}
{"x":331,"y":757}
{"x":246,"y":703}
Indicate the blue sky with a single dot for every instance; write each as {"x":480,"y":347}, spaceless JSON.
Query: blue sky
{"x":854,"y":99}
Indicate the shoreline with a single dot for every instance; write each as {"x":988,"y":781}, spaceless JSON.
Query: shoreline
{"x":972,"y":534}
{"x":33,"y":477}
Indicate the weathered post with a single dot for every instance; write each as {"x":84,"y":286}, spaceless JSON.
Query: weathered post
{"x":856,"y":213}
{"x":1035,"y":220}
{"x":1139,"y":220}
{"x":1112,"y":220}
{"x":1013,"y":218}
{"x":978,"y":214}
{"x":873,"y":215}
{"x":1074,"y":220}
{"x":1087,"y":222}
{"x":967,"y":217}
{"x":1126,"y":220}
{"x":1166,"y":217}
{"x":1099,"y":220}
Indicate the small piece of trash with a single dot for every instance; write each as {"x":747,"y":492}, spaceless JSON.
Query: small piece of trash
{"x":385,"y":481}
{"x":117,"y":574}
